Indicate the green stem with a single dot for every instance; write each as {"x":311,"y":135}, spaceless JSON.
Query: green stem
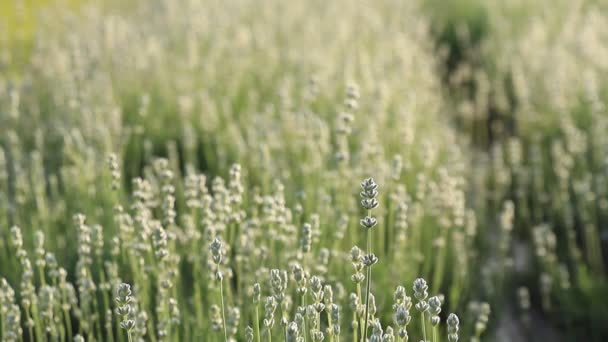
{"x":223,"y":311}
{"x":440,"y":262}
{"x":284,"y":325}
{"x":257,"y":322}
{"x":318,"y":321}
{"x":355,"y":337}
{"x":360,"y":326}
{"x":29,"y":327}
{"x":41,"y":275}
{"x":435,"y":339}
{"x":37,"y":330}
{"x":2,"y":328}
{"x":68,"y":323}
{"x":369,"y":281}
{"x":304,"y":318}
{"x":369,"y":274}
{"x":106,"y":305}
{"x":97,"y":323}
{"x":62,"y":337}
{"x":329,"y":326}
{"x":423,"y":322}
{"x":198,"y":305}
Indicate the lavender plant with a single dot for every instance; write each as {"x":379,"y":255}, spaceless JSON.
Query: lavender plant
{"x":201,"y":178}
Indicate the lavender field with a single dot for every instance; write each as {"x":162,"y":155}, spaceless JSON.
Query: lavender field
{"x":303,"y":171}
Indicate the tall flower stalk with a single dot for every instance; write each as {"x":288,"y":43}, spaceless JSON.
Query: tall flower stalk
{"x":402,"y":317}
{"x":369,"y":202}
{"x":420,"y":292}
{"x":434,"y":310}
{"x":256,"y":301}
{"x":216,"y":253}
{"x":124,"y":309}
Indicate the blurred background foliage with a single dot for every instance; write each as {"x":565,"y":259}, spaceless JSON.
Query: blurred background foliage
{"x":524,"y":82}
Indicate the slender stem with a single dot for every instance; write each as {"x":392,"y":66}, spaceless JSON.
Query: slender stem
{"x":369,"y":280}
{"x":329,"y":326}
{"x":198,"y":302}
{"x":304,"y":318}
{"x":440,"y":263}
{"x":422,"y":321}
{"x":223,"y":311}
{"x":41,"y":274}
{"x":369,"y":275}
{"x":435,"y":339}
{"x":68,"y":323}
{"x":37,"y":330}
{"x":359,"y":323}
{"x":129,"y":335}
{"x":29,"y":327}
{"x":355,"y":337}
{"x":318,"y":320}
{"x":166,"y":311}
{"x":106,"y":304}
{"x":2,"y":328}
{"x":97,"y":323}
{"x":257,"y":322}
{"x":284,"y":325}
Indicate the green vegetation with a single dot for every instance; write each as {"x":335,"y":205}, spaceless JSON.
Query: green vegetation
{"x":306,"y":171}
{"x":535,"y":96}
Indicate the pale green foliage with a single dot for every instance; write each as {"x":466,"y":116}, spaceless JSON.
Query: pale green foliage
{"x":209,"y":152}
